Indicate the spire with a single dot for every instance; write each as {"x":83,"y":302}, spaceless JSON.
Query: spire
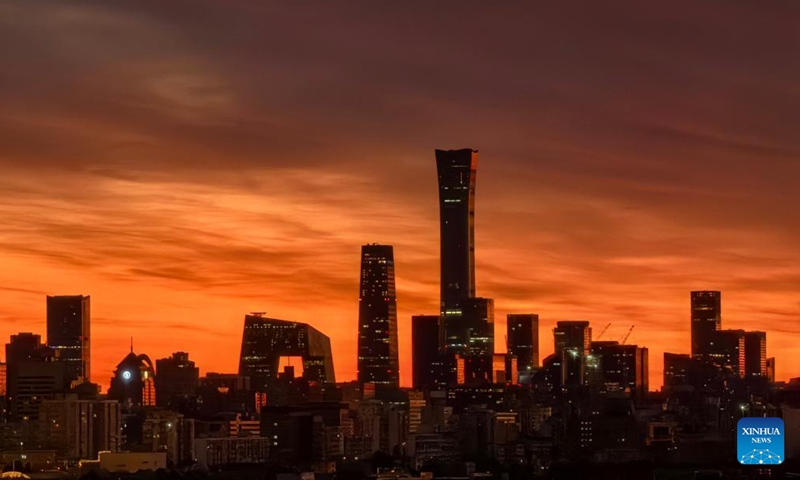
{"x":131,"y":344}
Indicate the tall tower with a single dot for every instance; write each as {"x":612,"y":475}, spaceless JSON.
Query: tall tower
{"x":425,"y":350}
{"x":456,"y":170}
{"x":706,"y":320}
{"x":377,"y":317}
{"x":68,"y":332}
{"x":522,"y":335}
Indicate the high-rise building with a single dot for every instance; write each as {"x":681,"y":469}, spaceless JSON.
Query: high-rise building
{"x":177,"y":380}
{"x":771,"y":369}
{"x":31,"y":376}
{"x":425,"y":350}
{"x":134,"y":382}
{"x":266,"y":340}
{"x":727,"y":350}
{"x":755,"y":354}
{"x":456,"y":170}
{"x":377,"y":318}
{"x":573,"y":335}
{"x":68,"y":334}
{"x":522,"y":334}
{"x":706,"y":319}
{"x":478,"y":339}
{"x":625,"y":366}
{"x":81,"y":429}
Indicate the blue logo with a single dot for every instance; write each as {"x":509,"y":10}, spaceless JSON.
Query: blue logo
{"x":759,"y":441}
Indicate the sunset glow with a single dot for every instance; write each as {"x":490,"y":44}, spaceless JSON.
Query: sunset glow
{"x":185,"y":177}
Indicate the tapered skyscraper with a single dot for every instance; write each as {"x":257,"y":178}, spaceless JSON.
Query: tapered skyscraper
{"x":456,"y":170}
{"x":377,"y":318}
{"x":68,"y":332}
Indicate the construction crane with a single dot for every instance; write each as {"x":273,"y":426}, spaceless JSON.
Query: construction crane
{"x":602,"y":332}
{"x":625,"y":338}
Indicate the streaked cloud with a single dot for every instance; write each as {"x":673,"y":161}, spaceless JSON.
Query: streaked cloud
{"x":187,"y":163}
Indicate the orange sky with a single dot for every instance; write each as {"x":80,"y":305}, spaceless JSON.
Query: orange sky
{"x":185,"y":165}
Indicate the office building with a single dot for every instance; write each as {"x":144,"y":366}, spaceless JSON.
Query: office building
{"x":755,"y":354}
{"x":522,"y":336}
{"x":677,"y":369}
{"x":177,"y":380}
{"x":425,"y":350}
{"x":456,"y":170}
{"x":623,"y":367}
{"x":266,"y":340}
{"x":572,"y":335}
{"x":32,"y":375}
{"x":69,"y":332}
{"x":377,"y":318}
{"x":727,"y":350}
{"x":478,"y":339}
{"x":80,"y":429}
{"x":133,"y":383}
{"x":706,"y":319}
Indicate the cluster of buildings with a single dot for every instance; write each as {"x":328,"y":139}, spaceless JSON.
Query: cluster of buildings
{"x":468,"y":408}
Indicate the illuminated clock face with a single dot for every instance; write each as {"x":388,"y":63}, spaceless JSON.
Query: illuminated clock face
{"x":126,"y":375}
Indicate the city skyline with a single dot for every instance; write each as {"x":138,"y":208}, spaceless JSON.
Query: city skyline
{"x":220,"y":181}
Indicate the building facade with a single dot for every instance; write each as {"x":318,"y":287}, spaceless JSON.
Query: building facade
{"x":425,"y":350}
{"x":706,"y":309}
{"x":69,"y":332}
{"x":177,"y":380}
{"x":377,"y":318}
{"x":522,"y":334}
{"x":456,"y":170}
{"x":266,"y":340}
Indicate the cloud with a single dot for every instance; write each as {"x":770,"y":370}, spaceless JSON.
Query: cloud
{"x":187,"y":163}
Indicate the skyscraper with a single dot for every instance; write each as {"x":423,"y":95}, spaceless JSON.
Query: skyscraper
{"x":177,"y":380}
{"x":266,"y":340}
{"x":32,"y":375}
{"x":377,"y":318}
{"x":478,"y":340}
{"x":706,"y":319}
{"x":456,"y":169}
{"x":522,"y":335}
{"x":727,"y":350}
{"x":755,"y":354}
{"x":68,"y":334}
{"x":572,"y":335}
{"x":625,"y":366}
{"x":425,"y":350}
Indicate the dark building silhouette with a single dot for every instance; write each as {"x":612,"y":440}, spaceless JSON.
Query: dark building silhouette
{"x":425,"y":350}
{"x":478,"y":339}
{"x":266,"y":340}
{"x":573,"y":335}
{"x":771,"y":369}
{"x":32,"y":375}
{"x":677,"y":369}
{"x":176,"y":380}
{"x":522,"y":336}
{"x":134,"y":382}
{"x":706,"y":319}
{"x":377,"y":318}
{"x":456,"y":170}
{"x":755,"y":354}
{"x":68,"y":334}
{"x":624,"y":367}
{"x":226,"y":392}
{"x":572,"y":343}
{"x":727,"y":350}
